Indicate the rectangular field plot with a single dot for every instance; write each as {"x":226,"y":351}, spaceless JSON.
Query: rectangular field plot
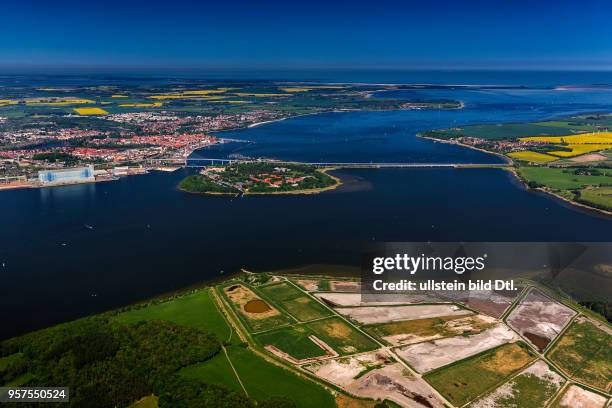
{"x":376,"y":376}
{"x":491,"y":302}
{"x":295,"y":302}
{"x":295,"y":341}
{"x":575,"y":396}
{"x":280,"y":291}
{"x":430,"y":355}
{"x":385,"y":314}
{"x":341,"y":336}
{"x":467,"y":379}
{"x":414,"y":331}
{"x":539,"y":319}
{"x":304,"y":309}
{"x":344,"y":286}
{"x":253,"y":311}
{"x":585,"y":354}
{"x":532,"y":388}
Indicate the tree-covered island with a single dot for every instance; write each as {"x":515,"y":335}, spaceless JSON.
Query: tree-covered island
{"x":260,"y":178}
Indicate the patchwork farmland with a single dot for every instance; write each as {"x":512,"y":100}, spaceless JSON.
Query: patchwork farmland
{"x":330,"y":347}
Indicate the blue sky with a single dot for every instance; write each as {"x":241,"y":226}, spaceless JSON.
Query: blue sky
{"x":303,"y":34}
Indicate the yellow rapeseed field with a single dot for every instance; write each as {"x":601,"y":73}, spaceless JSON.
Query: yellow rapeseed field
{"x":90,"y":111}
{"x":166,"y":96}
{"x":593,"y":137}
{"x":578,"y":149}
{"x":580,"y":143}
{"x":119,"y":96}
{"x":6,"y":102}
{"x":532,"y":157}
{"x":204,"y":92}
{"x":142,"y":105}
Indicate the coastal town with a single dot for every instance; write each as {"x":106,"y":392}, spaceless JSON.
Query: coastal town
{"x":121,"y":130}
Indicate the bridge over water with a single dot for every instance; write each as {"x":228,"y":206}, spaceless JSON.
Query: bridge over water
{"x":207,"y":162}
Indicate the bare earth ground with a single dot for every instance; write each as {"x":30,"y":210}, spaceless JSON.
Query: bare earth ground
{"x":384,"y":314}
{"x":429,"y":355}
{"x":342,"y":371}
{"x":576,"y":397}
{"x":539,"y":369}
{"x":539,"y":319}
{"x":241,"y":295}
{"x":344,"y":401}
{"x":454,"y":327}
{"x":357,"y":299}
{"x":390,"y":381}
{"x":309,"y":285}
{"x":585,"y":158}
{"x":395,"y":383}
{"x":493,"y":303}
{"x":344,"y":286}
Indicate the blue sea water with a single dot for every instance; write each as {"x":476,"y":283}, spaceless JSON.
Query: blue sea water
{"x":149,"y":238}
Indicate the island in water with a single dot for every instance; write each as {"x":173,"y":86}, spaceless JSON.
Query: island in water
{"x":260,"y":177}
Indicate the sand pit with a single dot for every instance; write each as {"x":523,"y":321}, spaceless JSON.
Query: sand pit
{"x":250,"y":304}
{"x":576,"y":397}
{"x":387,"y":380}
{"x":539,"y":319}
{"x":308,"y":284}
{"x":342,"y":371}
{"x":385,"y":314}
{"x":549,"y":382}
{"x":416,"y":331}
{"x":429,"y":355}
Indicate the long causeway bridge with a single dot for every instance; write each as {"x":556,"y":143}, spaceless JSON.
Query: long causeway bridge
{"x":207,"y":162}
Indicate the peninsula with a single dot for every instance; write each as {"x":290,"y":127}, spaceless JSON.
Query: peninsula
{"x":570,"y":158}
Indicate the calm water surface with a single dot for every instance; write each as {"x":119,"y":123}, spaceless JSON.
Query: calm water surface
{"x":149,"y":238}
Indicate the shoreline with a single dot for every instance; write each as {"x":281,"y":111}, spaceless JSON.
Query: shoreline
{"x":512,"y":169}
{"x":505,"y":158}
{"x":552,"y":195}
{"x":311,"y":191}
